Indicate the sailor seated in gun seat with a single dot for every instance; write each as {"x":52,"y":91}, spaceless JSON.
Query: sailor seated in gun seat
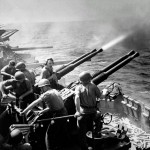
{"x":48,"y":73}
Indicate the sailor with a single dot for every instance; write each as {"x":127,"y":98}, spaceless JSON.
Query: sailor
{"x":86,"y":96}
{"x":20,"y":87}
{"x":28,"y":74}
{"x":9,"y":70}
{"x":48,"y":73}
{"x":55,"y":108}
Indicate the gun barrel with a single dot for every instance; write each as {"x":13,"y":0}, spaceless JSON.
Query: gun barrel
{"x":69,"y":68}
{"x":76,"y":60}
{"x":103,"y":76}
{"x":29,"y":48}
{"x":113,"y":64}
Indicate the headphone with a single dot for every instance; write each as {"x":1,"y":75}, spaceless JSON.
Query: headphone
{"x":48,"y":60}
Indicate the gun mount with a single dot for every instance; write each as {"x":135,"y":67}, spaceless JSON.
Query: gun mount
{"x":68,"y":94}
{"x":98,"y":77}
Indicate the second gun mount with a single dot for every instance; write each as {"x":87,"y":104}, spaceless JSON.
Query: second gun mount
{"x":68,"y":93}
{"x":8,"y":52}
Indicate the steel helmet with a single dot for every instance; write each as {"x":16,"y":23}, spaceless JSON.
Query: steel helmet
{"x":20,"y":65}
{"x":16,"y":136}
{"x":85,"y":76}
{"x":43,"y":82}
{"x":19,"y":76}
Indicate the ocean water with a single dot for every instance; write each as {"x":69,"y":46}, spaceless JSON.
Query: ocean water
{"x":73,"y":39}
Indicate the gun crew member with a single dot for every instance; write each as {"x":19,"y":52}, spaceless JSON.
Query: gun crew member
{"x":28,"y":74}
{"x":21,"y":87}
{"x":55,"y":108}
{"x":48,"y":73}
{"x":86,"y":96}
{"x":9,"y":70}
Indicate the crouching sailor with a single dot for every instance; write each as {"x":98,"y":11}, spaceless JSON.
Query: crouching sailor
{"x":20,"y":87}
{"x":55,"y":106}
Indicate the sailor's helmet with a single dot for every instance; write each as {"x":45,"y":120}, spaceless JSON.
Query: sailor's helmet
{"x":43,"y":82}
{"x":20,"y":65}
{"x":19,"y":76}
{"x":85,"y":76}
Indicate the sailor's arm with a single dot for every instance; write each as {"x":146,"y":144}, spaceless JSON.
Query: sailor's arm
{"x":25,"y":94}
{"x":44,"y":110}
{"x":7,"y":74}
{"x":77,"y":104}
{"x":33,"y":104}
{"x":30,"y":90}
{"x":4,"y":72}
{"x":2,"y":87}
{"x":53,"y":76}
{"x":100,"y":94}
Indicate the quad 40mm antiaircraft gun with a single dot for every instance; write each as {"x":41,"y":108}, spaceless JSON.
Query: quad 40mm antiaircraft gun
{"x":97,"y":78}
{"x":68,"y":94}
{"x":68,"y":98}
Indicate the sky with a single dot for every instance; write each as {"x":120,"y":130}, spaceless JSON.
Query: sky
{"x":72,"y":10}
